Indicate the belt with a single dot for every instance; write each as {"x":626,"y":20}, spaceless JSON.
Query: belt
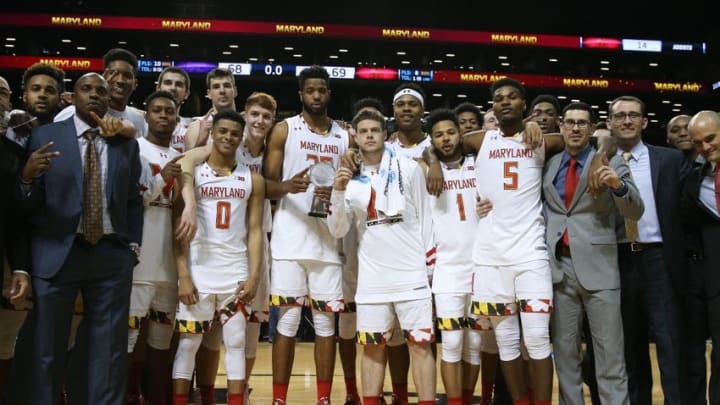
{"x":638,"y":246}
{"x":109,"y":237}
{"x":562,"y":250}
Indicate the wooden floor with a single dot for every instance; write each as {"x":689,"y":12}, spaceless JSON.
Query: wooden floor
{"x":302,"y":384}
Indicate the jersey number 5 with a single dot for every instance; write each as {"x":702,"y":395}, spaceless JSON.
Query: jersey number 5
{"x":510,"y":173}
{"x":222,"y":215}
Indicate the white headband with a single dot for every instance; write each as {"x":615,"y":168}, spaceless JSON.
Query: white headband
{"x":409,"y":92}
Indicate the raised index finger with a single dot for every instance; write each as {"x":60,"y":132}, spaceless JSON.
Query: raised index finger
{"x":45,"y":147}
{"x":96,"y":118}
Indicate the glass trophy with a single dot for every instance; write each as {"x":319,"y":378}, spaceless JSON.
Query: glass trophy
{"x":321,"y":174}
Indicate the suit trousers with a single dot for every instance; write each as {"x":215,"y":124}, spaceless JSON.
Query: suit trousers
{"x":102,"y":273}
{"x":571,"y":304}
{"x":649,"y":302}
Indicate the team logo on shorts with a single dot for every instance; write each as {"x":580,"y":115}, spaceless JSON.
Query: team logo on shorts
{"x":538,"y":305}
{"x":259,"y":316}
{"x":134,"y":322}
{"x":419,"y":335}
{"x":482,"y":323}
{"x":283,"y":301}
{"x":372,"y":338}
{"x":451,"y":323}
{"x":493,"y":308}
{"x":192,"y":326}
{"x":160,"y":317}
{"x":328,"y":306}
{"x":228,"y":311}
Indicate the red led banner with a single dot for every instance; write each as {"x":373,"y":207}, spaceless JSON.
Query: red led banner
{"x":283,"y":28}
{"x":23,"y":62}
{"x":569,"y":82}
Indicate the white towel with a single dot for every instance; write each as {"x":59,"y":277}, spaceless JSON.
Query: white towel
{"x":387,"y":185}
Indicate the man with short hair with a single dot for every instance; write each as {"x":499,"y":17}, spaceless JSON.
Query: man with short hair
{"x":219,"y":273}
{"x":306,"y":262}
{"x":469,"y":116}
{"x":176,"y":81}
{"x":221,"y":91}
{"x":387,"y":202}
{"x":545,"y":110}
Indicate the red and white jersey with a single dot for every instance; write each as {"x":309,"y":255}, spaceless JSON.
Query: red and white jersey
{"x":157,"y":262}
{"x":255,"y":164}
{"x":218,"y":253}
{"x":412,"y":152}
{"x":455,"y":222}
{"x":394,"y":252}
{"x":297,"y":235}
{"x":178,"y":137}
{"x":510,"y":176}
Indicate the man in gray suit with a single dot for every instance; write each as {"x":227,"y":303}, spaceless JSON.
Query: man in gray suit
{"x":581,"y":237}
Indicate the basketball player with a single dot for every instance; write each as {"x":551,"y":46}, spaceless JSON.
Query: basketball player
{"x":154,"y":291}
{"x":221,"y":91}
{"x":305,"y":257}
{"x":218,"y":277}
{"x":259,"y":117}
{"x":454,"y":219}
{"x":176,"y":81}
{"x":387,"y":202}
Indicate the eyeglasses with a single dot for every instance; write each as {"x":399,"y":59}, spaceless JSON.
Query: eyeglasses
{"x":634,"y":116}
{"x":582,"y":124}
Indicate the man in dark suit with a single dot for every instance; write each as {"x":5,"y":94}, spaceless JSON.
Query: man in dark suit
{"x":651,"y":255}
{"x":81,"y":191}
{"x":702,"y":198}
{"x":580,"y":233}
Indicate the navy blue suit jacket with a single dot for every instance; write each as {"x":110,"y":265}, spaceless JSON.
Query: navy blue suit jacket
{"x":55,"y":202}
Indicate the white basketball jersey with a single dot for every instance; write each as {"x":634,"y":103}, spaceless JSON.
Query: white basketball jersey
{"x":255,"y":164}
{"x":157,"y":262}
{"x":455,"y":222}
{"x":510,"y":176}
{"x":218,"y":253}
{"x":300,"y":236}
{"x":178,"y":136}
{"x":412,"y":152}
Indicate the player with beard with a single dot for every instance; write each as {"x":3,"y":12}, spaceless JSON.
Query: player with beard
{"x":176,"y":81}
{"x":121,"y":75}
{"x":154,"y":291}
{"x":306,"y":262}
{"x":221,"y":91}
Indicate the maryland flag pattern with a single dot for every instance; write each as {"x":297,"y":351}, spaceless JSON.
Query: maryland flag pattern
{"x":493,"y":308}
{"x":228,"y":311}
{"x":451,"y":323}
{"x":328,"y":306}
{"x":283,"y":301}
{"x":419,"y":335}
{"x":536,"y":305}
{"x":259,"y":316}
{"x":160,"y":317}
{"x":192,"y":326}
{"x":372,"y":338}
{"x":482,"y":323}
{"x":134,"y":322}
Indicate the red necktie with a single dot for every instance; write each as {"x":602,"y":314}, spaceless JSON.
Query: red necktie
{"x":717,"y":187}
{"x":571,"y":181}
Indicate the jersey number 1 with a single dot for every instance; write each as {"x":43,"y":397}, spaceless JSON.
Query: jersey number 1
{"x":461,"y":206}
{"x":222,"y":215}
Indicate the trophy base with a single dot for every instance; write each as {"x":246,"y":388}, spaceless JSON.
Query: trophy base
{"x":318,"y":214}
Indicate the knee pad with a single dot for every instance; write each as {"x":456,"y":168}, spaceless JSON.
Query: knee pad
{"x":536,"y":334}
{"x":471,"y":346}
{"x":288,"y":320}
{"x":252,"y":335}
{"x":452,"y":345}
{"x":488,"y":343}
{"x":159,"y":335}
{"x":507,"y":333}
{"x":212,"y":339}
{"x":132,"y":339}
{"x":234,"y":338}
{"x":184,"y":363}
{"x":324,"y":323}
{"x":347,"y":325}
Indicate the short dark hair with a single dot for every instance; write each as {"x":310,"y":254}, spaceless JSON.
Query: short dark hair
{"x":313,"y":72}
{"x":412,"y":86}
{"x":368,"y":115}
{"x":175,"y":69}
{"x":160,"y":94}
{"x":579,"y":105}
{"x":366,"y":102}
{"x":120,"y":54}
{"x":44,"y":69}
{"x":441,"y":114}
{"x":471,"y":108}
{"x":546,"y":98}
{"x":507,"y":81}
{"x":228,"y":115}
{"x":218,"y":73}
